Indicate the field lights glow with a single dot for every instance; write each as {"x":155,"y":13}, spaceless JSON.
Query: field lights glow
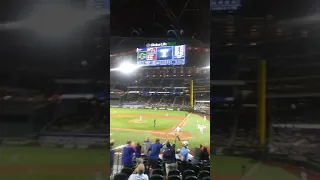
{"x":126,"y":67}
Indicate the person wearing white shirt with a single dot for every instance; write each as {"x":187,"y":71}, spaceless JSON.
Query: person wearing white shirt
{"x":138,"y":173}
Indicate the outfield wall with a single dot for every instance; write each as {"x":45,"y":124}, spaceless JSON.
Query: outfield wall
{"x":140,"y":106}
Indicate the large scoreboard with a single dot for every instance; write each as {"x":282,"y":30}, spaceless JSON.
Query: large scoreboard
{"x":161,"y":54}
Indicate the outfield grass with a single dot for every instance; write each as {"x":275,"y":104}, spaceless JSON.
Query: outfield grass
{"x":228,"y":166}
{"x":121,"y":137}
{"x":52,"y":164}
{"x":161,"y":124}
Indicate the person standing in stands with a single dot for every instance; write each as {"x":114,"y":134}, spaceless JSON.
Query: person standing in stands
{"x":154,"y":155}
{"x":112,"y":151}
{"x":184,"y":154}
{"x":197,"y":152}
{"x":147,"y":143}
{"x":204,"y":154}
{"x":127,"y":154}
{"x":138,"y":150}
{"x":169,"y":156}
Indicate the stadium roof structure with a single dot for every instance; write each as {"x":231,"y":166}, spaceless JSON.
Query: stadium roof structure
{"x":163,"y":19}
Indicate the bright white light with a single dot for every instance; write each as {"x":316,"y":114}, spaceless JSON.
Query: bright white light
{"x":126,"y":67}
{"x":207,"y":67}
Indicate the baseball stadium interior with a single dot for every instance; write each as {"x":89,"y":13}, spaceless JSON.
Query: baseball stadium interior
{"x":264,"y":91}
{"x":125,"y":90}
{"x":151,"y":90}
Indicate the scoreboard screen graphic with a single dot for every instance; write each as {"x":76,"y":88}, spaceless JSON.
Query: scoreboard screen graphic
{"x":225,"y":5}
{"x":161,"y":55}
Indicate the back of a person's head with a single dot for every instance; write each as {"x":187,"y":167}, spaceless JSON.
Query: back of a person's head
{"x":205,"y":149}
{"x":140,"y":169}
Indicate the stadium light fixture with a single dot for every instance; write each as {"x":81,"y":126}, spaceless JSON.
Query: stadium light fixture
{"x":126,"y":68}
{"x":207,"y":67}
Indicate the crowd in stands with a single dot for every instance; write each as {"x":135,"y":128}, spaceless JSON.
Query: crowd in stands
{"x":238,"y":138}
{"x":165,"y":101}
{"x":205,"y":107}
{"x":77,"y":120}
{"x":161,"y":161}
{"x":161,"y":82}
{"x":295,"y":141}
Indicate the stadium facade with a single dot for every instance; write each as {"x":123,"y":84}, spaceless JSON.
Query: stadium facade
{"x":172,"y":87}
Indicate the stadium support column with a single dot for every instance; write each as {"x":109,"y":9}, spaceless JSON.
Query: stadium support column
{"x":262,"y":101}
{"x":191,"y":95}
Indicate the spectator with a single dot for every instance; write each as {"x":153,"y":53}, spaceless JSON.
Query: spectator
{"x":147,"y":144}
{"x":138,"y":173}
{"x":169,"y":157}
{"x":138,"y":150}
{"x":154,"y":154}
{"x":112,"y":151}
{"x":184,"y":154}
{"x":197,"y":153}
{"x":204,"y":154}
{"x":127,"y":154}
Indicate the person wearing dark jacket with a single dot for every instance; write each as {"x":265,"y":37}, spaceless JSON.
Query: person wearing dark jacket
{"x":204,"y":154}
{"x":169,"y":156}
{"x":138,"y":150}
{"x":196,"y":157}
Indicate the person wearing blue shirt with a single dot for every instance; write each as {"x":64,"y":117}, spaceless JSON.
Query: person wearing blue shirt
{"x":127,"y":154}
{"x":154,"y":154}
{"x":184,"y":153}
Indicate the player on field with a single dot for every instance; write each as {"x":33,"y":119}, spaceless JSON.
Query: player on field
{"x":204,"y":118}
{"x":140,"y":118}
{"x":201,"y":127}
{"x":178,"y":129}
{"x":154,"y":122}
{"x":167,"y":114}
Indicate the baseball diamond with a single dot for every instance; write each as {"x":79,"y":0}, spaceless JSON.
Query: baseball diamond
{"x":124,"y":122}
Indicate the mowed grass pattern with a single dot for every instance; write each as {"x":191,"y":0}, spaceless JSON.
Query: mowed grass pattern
{"x":147,"y":124}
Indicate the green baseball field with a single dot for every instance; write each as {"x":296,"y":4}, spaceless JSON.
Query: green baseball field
{"x":125,"y":124}
{"x":230,"y":168}
{"x":36,"y":163}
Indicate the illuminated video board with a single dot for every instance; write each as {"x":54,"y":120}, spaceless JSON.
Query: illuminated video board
{"x":161,"y":54}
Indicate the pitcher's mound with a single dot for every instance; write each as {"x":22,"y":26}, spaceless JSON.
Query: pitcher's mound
{"x":138,"y":121}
